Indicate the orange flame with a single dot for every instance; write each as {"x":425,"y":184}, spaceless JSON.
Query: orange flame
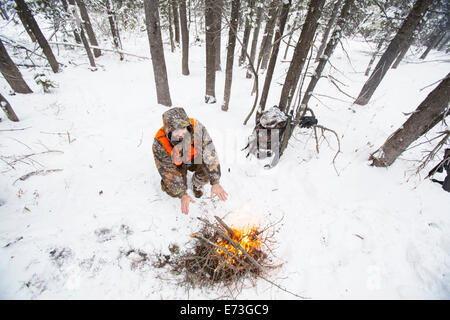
{"x":246,"y":237}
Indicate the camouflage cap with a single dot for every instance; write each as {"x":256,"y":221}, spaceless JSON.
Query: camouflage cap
{"x":175,"y":118}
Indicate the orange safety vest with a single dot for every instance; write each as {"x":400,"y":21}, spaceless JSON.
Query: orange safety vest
{"x":173,"y":151}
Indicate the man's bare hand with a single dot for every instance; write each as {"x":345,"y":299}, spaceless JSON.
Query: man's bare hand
{"x":185,"y":201}
{"x":217,"y":190}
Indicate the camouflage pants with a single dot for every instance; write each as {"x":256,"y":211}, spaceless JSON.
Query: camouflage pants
{"x":199,"y":179}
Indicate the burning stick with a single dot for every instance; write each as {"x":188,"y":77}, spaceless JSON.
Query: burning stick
{"x":227,"y":228}
{"x":234,"y":244}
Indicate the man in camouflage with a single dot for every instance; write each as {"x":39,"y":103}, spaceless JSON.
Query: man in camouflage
{"x":183,"y":144}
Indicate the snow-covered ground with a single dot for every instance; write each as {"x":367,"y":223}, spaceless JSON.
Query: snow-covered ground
{"x":347,"y":231}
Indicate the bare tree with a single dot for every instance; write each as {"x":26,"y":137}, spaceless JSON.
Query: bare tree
{"x":176,"y":20}
{"x":184,"y":38}
{"x":114,"y":28}
{"x":88,"y":27}
{"x":157,"y":51}
{"x":283,"y":15}
{"x":301,"y":52}
{"x":374,"y":55}
{"x":80,"y":31}
{"x":31,"y":24}
{"x":169,"y":17}
{"x":266,"y":43}
{"x":210,"y":32}
{"x":235,"y":6}
{"x":330,"y":25}
{"x":218,"y":36}
{"x":247,"y":29}
{"x":429,"y":113}
{"x":72,"y":23}
{"x":259,"y":12}
{"x":11,"y":73}
{"x":388,"y":57}
{"x":6,"y":107}
{"x":331,"y":45}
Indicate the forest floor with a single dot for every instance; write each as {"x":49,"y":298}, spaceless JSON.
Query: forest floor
{"x":348,"y":230}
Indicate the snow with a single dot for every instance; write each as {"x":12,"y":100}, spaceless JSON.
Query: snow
{"x":351,"y":232}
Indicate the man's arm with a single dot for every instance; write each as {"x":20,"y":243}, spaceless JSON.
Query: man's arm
{"x":172,"y":178}
{"x":209,"y":154}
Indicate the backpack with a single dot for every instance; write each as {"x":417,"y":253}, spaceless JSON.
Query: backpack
{"x":267,"y":134}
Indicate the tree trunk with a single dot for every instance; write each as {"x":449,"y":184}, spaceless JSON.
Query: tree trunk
{"x":113,"y":25}
{"x":235,"y":6}
{"x":444,"y":41}
{"x":273,"y":58}
{"x":218,"y":35}
{"x":402,"y":53}
{"x":176,"y":21}
{"x":23,"y":10}
{"x":210,"y":33}
{"x":264,"y":50}
{"x":157,"y":51}
{"x":169,"y":16}
{"x":292,"y":30}
{"x":437,"y":38}
{"x":331,"y":45}
{"x":330,"y":25}
{"x":404,"y":33}
{"x":72,"y":23}
{"x":374,"y":56}
{"x":300,"y":54}
{"x":6,"y":107}
{"x":88,"y":27}
{"x":184,"y":38}
{"x":11,"y":73}
{"x":247,"y":29}
{"x":259,"y":12}
{"x":429,"y":113}
{"x":80,"y":31}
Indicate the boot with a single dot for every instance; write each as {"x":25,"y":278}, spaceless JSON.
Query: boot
{"x":198,"y":192}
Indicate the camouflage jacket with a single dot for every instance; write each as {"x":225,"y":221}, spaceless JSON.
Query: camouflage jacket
{"x":172,"y":176}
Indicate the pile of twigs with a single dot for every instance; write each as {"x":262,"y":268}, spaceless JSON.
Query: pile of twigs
{"x":208,"y":263}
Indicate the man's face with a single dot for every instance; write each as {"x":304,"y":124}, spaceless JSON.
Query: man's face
{"x":178,"y":135}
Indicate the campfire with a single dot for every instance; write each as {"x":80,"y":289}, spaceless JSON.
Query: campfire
{"x":223,"y":254}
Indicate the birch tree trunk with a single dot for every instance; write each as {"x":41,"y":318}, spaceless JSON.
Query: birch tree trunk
{"x":23,"y":10}
{"x":157,"y":51}
{"x":235,"y":6}
{"x":404,"y":33}
{"x":429,"y":113}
